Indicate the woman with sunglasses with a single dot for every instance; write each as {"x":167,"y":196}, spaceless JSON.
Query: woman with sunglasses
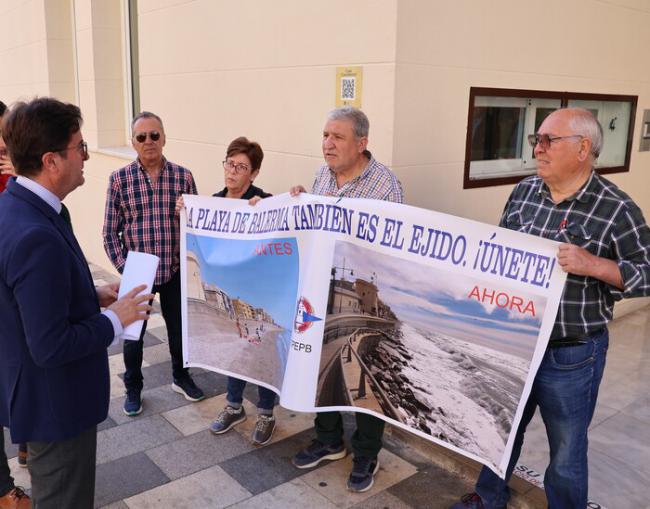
{"x":241,"y":167}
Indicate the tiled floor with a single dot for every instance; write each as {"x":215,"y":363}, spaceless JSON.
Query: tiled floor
{"x":167,"y":458}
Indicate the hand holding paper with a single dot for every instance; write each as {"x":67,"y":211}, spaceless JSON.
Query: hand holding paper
{"x":140,"y":269}
{"x":133,"y":307}
{"x":107,"y":294}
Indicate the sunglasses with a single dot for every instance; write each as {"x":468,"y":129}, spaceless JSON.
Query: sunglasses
{"x":544,"y":140}
{"x":142,"y":137}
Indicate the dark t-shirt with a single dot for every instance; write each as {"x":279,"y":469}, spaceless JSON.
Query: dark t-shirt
{"x":250,"y":193}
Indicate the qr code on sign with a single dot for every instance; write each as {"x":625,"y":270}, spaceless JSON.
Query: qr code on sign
{"x":348,"y":84}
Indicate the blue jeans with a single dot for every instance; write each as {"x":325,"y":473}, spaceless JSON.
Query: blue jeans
{"x":565,"y":390}
{"x":235,"y":395}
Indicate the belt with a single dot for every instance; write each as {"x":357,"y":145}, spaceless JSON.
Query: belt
{"x":572,"y":340}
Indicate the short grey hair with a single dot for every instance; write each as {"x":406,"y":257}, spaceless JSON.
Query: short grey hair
{"x":360,"y":123}
{"x":146,"y":114}
{"x":583,"y":122}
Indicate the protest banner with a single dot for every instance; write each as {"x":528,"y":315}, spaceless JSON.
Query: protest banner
{"x":434,"y":323}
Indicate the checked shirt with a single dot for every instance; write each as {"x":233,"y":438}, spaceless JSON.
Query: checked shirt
{"x":140,"y":215}
{"x":600,"y":218}
{"x":376,"y":182}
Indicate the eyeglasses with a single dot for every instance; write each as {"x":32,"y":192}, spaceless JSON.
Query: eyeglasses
{"x":142,"y":137}
{"x":544,"y":140}
{"x":82,"y":148}
{"x":236,"y":167}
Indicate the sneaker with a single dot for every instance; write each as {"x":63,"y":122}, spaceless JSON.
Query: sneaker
{"x":317,"y":452}
{"x":228,"y":418}
{"x":188,"y":389}
{"x":363,"y":473}
{"x":133,"y":402}
{"x":22,"y":458}
{"x":471,"y":501}
{"x":15,"y":499}
{"x":263,"y":429}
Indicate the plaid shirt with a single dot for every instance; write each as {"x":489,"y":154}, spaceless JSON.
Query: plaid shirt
{"x":141,"y":217}
{"x":600,"y":218}
{"x":376,"y":182}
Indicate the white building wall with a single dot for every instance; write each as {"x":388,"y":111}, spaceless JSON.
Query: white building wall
{"x":215,"y":69}
{"x":36,"y":50}
{"x":446,"y":47}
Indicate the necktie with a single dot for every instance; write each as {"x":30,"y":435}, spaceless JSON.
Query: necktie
{"x":65,"y":214}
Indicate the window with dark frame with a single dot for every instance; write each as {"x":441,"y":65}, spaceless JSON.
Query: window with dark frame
{"x":133,"y":56}
{"x":496,"y":150}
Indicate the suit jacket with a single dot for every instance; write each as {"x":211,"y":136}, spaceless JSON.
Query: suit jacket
{"x":54,"y":380}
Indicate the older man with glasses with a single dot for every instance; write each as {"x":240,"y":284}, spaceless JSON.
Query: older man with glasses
{"x":142,"y":214}
{"x":606,"y":252}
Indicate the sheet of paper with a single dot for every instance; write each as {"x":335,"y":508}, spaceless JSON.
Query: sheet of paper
{"x":140,"y":268}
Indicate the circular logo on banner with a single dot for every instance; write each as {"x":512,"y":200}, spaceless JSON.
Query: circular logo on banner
{"x":304,"y":316}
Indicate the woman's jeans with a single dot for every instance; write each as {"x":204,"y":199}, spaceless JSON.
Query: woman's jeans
{"x":235,"y":395}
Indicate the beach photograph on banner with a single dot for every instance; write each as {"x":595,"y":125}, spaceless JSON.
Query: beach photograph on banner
{"x":445,"y":356}
{"x":241,"y":304}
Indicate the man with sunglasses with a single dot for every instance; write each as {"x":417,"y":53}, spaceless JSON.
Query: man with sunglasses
{"x":142,"y":214}
{"x":605,"y":249}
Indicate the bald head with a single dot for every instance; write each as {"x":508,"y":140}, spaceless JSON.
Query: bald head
{"x":582,"y":122}
{"x":567,"y":144}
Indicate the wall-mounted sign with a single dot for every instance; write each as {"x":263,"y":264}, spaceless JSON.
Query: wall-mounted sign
{"x":349,"y":85}
{"x":644,"y":144}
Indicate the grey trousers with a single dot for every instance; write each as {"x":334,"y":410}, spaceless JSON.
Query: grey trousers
{"x":6,"y":481}
{"x":63,"y":473}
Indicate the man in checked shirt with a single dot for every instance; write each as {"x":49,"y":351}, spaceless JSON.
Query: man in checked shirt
{"x":142,"y":214}
{"x":606,"y":252}
{"x":349,"y":171}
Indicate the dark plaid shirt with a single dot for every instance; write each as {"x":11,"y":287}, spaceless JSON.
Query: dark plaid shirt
{"x":140,"y":215}
{"x":600,"y":218}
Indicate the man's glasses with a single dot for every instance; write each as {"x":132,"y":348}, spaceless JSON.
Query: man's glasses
{"x":82,"y":148}
{"x":544,"y":140}
{"x":142,"y":137}
{"x":236,"y":167}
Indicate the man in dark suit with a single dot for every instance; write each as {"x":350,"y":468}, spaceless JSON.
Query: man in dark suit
{"x":54,"y":381}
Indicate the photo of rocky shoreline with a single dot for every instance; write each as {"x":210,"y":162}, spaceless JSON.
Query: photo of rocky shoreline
{"x":410,"y":350}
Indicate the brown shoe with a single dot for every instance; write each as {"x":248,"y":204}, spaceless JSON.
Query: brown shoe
{"x":15,"y":499}
{"x":22,"y":459}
